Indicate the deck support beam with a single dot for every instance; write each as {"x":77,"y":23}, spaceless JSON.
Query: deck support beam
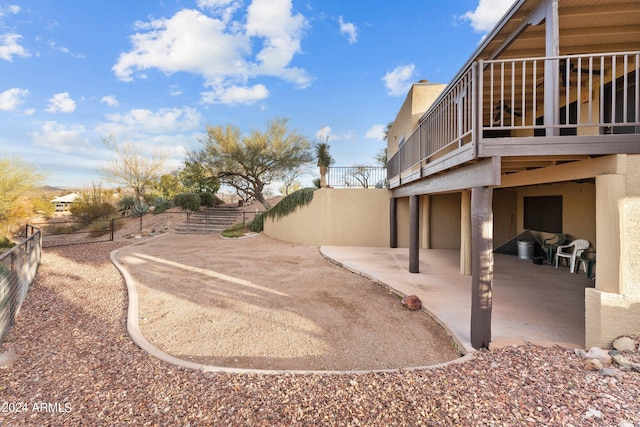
{"x":393,"y":222}
{"x":414,"y":234}
{"x":481,"y":266}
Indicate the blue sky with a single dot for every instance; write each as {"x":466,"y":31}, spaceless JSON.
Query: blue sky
{"x":156,"y":73}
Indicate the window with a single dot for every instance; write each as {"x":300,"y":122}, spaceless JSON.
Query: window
{"x":543,"y":213}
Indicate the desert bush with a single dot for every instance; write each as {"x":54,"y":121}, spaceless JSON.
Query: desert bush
{"x":210,"y":200}
{"x":160,"y":204}
{"x":126,"y":203}
{"x":187,"y":201}
{"x":43,"y":206}
{"x":88,"y":212}
{"x":257,"y":224}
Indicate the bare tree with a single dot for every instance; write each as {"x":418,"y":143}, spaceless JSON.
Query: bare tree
{"x":130,"y":168}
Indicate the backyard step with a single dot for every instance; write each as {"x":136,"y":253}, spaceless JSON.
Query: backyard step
{"x":209,"y":220}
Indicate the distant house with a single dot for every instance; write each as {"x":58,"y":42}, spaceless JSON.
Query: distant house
{"x":63,"y":203}
{"x":539,"y":131}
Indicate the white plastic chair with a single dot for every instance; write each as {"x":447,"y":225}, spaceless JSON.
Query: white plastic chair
{"x":571,"y":251}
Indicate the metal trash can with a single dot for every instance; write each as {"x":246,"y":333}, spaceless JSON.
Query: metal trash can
{"x":525,"y":249}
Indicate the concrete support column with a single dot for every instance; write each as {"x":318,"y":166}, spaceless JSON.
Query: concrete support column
{"x":393,"y":222}
{"x":610,"y":191}
{"x":482,"y":266}
{"x":425,"y":222}
{"x":414,"y":236}
{"x":465,"y":233}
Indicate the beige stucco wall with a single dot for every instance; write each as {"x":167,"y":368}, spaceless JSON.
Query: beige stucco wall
{"x":337,"y":217}
{"x":418,"y":100}
{"x":613,"y":307}
{"x":505,"y":209}
{"x":443,"y":228}
{"x":578,"y":209}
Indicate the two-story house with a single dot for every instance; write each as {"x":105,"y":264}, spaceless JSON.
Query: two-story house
{"x":539,"y":130}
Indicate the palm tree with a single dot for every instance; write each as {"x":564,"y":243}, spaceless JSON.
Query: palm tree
{"x":324,"y":160}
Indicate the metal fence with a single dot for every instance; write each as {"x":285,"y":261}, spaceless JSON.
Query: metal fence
{"x":18,"y":267}
{"x":357,"y":177}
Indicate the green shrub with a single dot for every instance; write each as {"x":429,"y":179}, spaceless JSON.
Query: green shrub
{"x":5,"y":243}
{"x":139,"y":209}
{"x":44,"y":206}
{"x":187,"y":201}
{"x":257,"y":224}
{"x":210,"y":200}
{"x":88,"y":212}
{"x":235,"y":231}
{"x":290,"y":203}
{"x":126,"y":203}
{"x":160,"y":204}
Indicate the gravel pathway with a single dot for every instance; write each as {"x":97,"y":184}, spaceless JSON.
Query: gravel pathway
{"x":77,"y":366}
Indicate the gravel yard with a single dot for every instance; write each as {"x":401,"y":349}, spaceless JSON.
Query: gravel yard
{"x":77,"y":366}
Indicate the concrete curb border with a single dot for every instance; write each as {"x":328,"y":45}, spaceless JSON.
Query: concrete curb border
{"x":136,"y":336}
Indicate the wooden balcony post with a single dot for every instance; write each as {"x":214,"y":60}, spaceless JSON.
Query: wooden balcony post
{"x":393,"y":222}
{"x":414,"y":234}
{"x":481,"y":266}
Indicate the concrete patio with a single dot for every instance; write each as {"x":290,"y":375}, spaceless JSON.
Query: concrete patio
{"x":531,"y":303}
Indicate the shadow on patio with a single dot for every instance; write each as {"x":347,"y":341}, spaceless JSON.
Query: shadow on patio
{"x":532,"y":303}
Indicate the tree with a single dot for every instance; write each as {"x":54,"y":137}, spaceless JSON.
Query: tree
{"x":195,"y":175}
{"x":381,"y":157}
{"x":130,"y":168}
{"x":250,"y":163}
{"x":324,"y":159}
{"x":169,"y":185}
{"x":16,"y":180}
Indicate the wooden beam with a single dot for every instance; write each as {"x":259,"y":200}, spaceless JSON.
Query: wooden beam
{"x":485,"y":172}
{"x":393,"y":222}
{"x":481,"y":266}
{"x":583,"y":169}
{"x":414,"y":234}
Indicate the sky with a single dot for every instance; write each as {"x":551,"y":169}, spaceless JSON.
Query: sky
{"x":156,"y":73}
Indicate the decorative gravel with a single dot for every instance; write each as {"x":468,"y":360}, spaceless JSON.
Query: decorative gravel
{"x":77,"y":366}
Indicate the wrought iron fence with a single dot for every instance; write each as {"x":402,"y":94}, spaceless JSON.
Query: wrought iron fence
{"x":18,"y":267}
{"x":357,"y":176}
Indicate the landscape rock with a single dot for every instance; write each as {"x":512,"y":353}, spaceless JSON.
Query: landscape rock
{"x":608,"y":372}
{"x":593,"y":365}
{"x":600,"y":354}
{"x":622,"y":361}
{"x":7,"y":359}
{"x":412,"y":302}
{"x":624,"y":344}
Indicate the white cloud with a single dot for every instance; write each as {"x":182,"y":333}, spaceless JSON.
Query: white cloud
{"x":323,"y":134}
{"x":236,"y":95}
{"x":9,"y":42}
{"x":487,"y":14}
{"x":61,"y":103}
{"x":9,"y":47}
{"x":225,"y":9}
{"x":272,"y":21}
{"x":142,"y":122}
{"x":189,"y":41}
{"x":399,"y":80}
{"x":110,"y":100}
{"x":10,"y":99}
{"x":349,"y":29}
{"x":376,"y":132}
{"x":219,"y":49}
{"x":61,"y":138}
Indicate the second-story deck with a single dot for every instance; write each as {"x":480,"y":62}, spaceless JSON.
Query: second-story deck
{"x":512,"y":110}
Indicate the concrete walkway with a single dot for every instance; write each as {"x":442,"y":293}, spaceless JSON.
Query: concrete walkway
{"x":531,"y":303}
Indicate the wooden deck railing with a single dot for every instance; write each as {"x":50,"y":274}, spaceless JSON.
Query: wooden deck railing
{"x":580,"y":95}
